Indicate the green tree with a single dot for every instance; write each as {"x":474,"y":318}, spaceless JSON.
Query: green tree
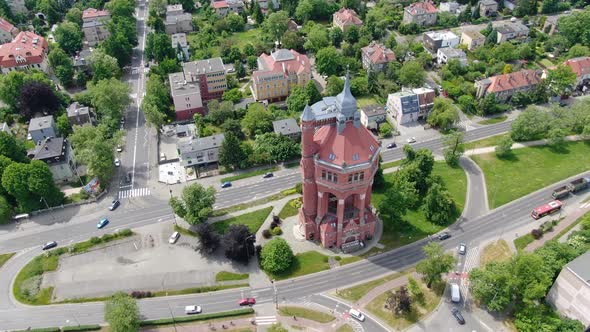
{"x":159,"y":47}
{"x":504,"y":147}
{"x":12,"y":83}
{"x":276,"y":256}
{"x":63,"y":125}
{"x":240,"y":70}
{"x":232,"y":95}
{"x":412,"y":74}
{"x":385,"y":130}
{"x":312,"y":92}
{"x":561,"y":80}
{"x":359,"y":86}
{"x":235,"y":22}
{"x":5,"y":210}
{"x":439,"y":206}
{"x":11,"y":148}
{"x":95,"y":149}
{"x":334,"y":86}
{"x":257,"y":14}
{"x":74,"y":15}
{"x":532,"y":124}
{"x":454,"y":148}
{"x":275,"y":148}
{"x":444,"y":115}
{"x":578,"y":51}
{"x":328,"y":61}
{"x":556,"y":138}
{"x":304,"y":10}
{"x":103,"y":66}
{"x":276,"y":24}
{"x":493,"y":285}
{"x":575,"y":28}
{"x":154,"y":117}
{"x":69,"y":36}
{"x":292,"y":40}
{"x":156,"y":104}
{"x":467,"y":104}
{"x":122,"y":313}
{"x":257,"y":120}
{"x":336,"y":36}
{"x":489,"y":105}
{"x":119,"y":47}
{"x":109,"y":98}
{"x":317,"y":38}
{"x":233,"y":126}
{"x":297,"y":99}
{"x":195,"y":204}
{"x":435,"y":264}
{"x":231,"y":154}
{"x":40,"y":183}
{"x":62,"y":65}
{"x":399,"y":196}
{"x":415,"y":290}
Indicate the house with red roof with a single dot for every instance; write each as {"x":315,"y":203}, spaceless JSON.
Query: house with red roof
{"x":423,"y":13}
{"x":345,"y":18}
{"x":26,"y":51}
{"x":7,"y":31}
{"x":376,"y":56}
{"x":506,"y":85}
{"x":94,"y":25}
{"x":581,"y":67}
{"x":278,"y":73}
{"x":224,"y":7}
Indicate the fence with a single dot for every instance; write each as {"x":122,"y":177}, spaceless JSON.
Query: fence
{"x":63,"y":206}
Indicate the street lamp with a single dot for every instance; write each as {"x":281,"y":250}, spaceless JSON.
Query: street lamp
{"x":276,"y":293}
{"x":47,"y":206}
{"x":248,"y":250}
{"x":173,"y":214}
{"x":171,"y":314}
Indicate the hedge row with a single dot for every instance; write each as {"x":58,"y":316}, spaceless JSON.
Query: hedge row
{"x":80,"y":328}
{"x":46,"y":329}
{"x":193,"y":318}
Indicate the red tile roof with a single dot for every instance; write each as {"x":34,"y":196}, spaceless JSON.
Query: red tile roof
{"x":348,"y":17}
{"x":580,"y":66}
{"x":419,"y":8}
{"x":220,"y":4}
{"x":5,"y":25}
{"x":519,"y":79}
{"x":91,"y":13}
{"x":292,"y":63}
{"x":378,"y":53}
{"x":27,"y":46}
{"x":343,"y":147}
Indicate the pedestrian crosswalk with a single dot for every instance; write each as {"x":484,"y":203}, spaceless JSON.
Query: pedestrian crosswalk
{"x":471,"y":261}
{"x":138,"y":192}
{"x":585,"y":205}
{"x":266,"y":320}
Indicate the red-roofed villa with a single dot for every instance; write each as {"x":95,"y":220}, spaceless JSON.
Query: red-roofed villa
{"x":581,"y":67}
{"x":7,"y":31}
{"x":506,"y":85}
{"x":376,"y":56}
{"x":26,"y":51}
{"x":345,"y":18}
{"x":422,"y":13}
{"x":339,"y":160}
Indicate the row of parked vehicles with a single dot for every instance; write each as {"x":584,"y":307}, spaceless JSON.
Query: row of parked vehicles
{"x":558,"y":194}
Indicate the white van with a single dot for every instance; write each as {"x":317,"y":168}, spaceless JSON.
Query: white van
{"x":455,"y":293}
{"x":357,"y":315}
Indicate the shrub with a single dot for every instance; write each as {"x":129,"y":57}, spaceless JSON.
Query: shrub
{"x":537,"y":233}
{"x":266,"y":234}
{"x":273,"y":225}
{"x":299,"y":188}
{"x":276,"y":219}
{"x":81,"y":328}
{"x":140,"y":294}
{"x":276,"y":256}
{"x":277,"y":231}
{"x":45,"y":329}
{"x":125,"y":232}
{"x":95,"y":240}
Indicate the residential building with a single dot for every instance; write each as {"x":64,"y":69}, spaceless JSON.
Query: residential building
{"x":345,"y":18}
{"x":179,"y":43}
{"x":177,"y":20}
{"x":409,"y":105}
{"x":7,"y":31}
{"x":433,"y":40}
{"x":278,"y":73}
{"x":17,"y":6}
{"x":26,"y":51}
{"x":94,"y":25}
{"x":225,"y":7}
{"x":293,"y":26}
{"x":338,"y":161}
{"x":506,"y":85}
{"x":41,"y":128}
{"x":57,"y":153}
{"x":488,"y":8}
{"x":445,"y":54}
{"x":472,"y":39}
{"x":510,"y":4}
{"x":376,"y":56}
{"x":513,"y":30}
{"x":571,"y":290}
{"x":186,"y":97}
{"x":200,"y":150}
{"x":79,"y":114}
{"x":264,"y":4}
{"x":581,"y":67}
{"x":287,"y":127}
{"x":550,"y":25}
{"x":372,"y":116}
{"x":423,"y":13}
{"x":81,"y":59}
{"x":5,"y":128}
{"x":449,"y":7}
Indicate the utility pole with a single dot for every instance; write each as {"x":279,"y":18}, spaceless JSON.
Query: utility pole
{"x":173,"y":214}
{"x":247,"y":247}
{"x":171,"y":314}
{"x":276,"y":297}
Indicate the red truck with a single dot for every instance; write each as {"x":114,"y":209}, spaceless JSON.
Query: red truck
{"x":545,"y":209}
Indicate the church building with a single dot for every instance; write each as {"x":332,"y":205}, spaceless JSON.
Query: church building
{"x":339,"y":160}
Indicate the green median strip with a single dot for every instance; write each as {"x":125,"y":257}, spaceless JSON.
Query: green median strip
{"x":5,"y":257}
{"x":523,"y":241}
{"x":201,"y":317}
{"x":253,"y":220}
{"x":257,"y":172}
{"x":314,"y":315}
{"x":230,"y":276}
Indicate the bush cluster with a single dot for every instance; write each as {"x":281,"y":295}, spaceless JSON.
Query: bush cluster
{"x":141,"y":294}
{"x":537,"y":233}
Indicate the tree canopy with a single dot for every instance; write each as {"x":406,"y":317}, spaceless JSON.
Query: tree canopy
{"x":276,"y":256}
{"x":122,"y":313}
{"x":435,"y":264}
{"x":195,"y":204}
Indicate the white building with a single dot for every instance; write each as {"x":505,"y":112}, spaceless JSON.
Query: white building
{"x":200,"y":151}
{"x":445,"y":54}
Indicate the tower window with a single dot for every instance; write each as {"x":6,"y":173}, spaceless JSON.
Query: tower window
{"x":332,"y":156}
{"x":355,"y":156}
{"x":372,"y":148}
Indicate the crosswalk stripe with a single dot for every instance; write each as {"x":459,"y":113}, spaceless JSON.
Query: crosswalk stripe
{"x":266,"y":320}
{"x":139,"y":192}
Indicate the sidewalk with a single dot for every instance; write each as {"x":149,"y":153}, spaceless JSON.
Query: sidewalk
{"x":308,"y":324}
{"x":564,"y":223}
{"x":491,"y":149}
{"x":241,"y":324}
{"x":375,"y":292}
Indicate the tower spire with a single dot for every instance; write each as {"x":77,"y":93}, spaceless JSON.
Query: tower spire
{"x":346,"y":89}
{"x":308,"y":114}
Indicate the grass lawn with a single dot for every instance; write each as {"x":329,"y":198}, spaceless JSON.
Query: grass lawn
{"x":506,"y":180}
{"x":28,"y":281}
{"x":546,"y":63}
{"x":289,"y":209}
{"x":565,"y":230}
{"x":355,"y":293}
{"x":497,"y":119}
{"x":348,"y":260}
{"x":197,"y":290}
{"x":497,"y":251}
{"x":416,"y":226}
{"x":253,"y":220}
{"x":240,"y":207}
{"x":391,"y":164}
{"x":314,"y":315}
{"x":305,"y":263}
{"x":419,"y":310}
{"x":345,"y":328}
{"x":257,"y":172}
{"x":292,"y":164}
{"x":185,"y":231}
{"x":226,"y":276}
{"x":523,"y":241}
{"x":5,"y":257}
{"x":482,"y":143}
{"x":366,"y":101}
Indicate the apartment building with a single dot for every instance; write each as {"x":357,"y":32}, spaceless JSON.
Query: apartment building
{"x":513,"y":30}
{"x":94,"y":25}
{"x":472,"y":39}
{"x":409,"y":105}
{"x":200,"y":150}
{"x":26,"y":51}
{"x":488,"y":8}
{"x":345,"y":18}
{"x":423,"y":13}
{"x":433,"y":40}
{"x":7,"y":31}
{"x":278,"y":73}
{"x":506,"y":85}
{"x":376,"y":56}
{"x":581,"y":67}
{"x":445,"y":54}
{"x":180,"y":44}
{"x":225,"y":7}
{"x":57,"y":153}
{"x":186,"y":97}
{"x":177,"y":20}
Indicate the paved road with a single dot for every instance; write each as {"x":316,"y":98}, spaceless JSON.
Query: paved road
{"x":470,"y":231}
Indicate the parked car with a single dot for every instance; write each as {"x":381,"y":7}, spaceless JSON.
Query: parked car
{"x":411,"y":140}
{"x":173,"y":238}
{"x":455,"y":293}
{"x":391,"y":145}
{"x":356,"y":315}
{"x":247,"y":301}
{"x":49,"y":245}
{"x":114,"y":205}
{"x":457,"y":314}
{"x":268,"y":175}
{"x":117,"y":162}
{"x":462,"y":249}
{"x":226,"y":184}
{"x":444,"y":236}
{"x":162,"y":156}
{"x":103,"y":222}
{"x":119,"y":148}
{"x":192,"y":309}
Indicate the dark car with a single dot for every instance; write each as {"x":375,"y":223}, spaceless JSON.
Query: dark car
{"x":444,"y":236}
{"x":458,"y":316}
{"x":247,"y":301}
{"x":391,"y":145}
{"x":49,"y":245}
{"x":226,"y":184}
{"x":268,"y":175}
{"x":114,"y":205}
{"x":128,"y":178}
{"x":103,"y":222}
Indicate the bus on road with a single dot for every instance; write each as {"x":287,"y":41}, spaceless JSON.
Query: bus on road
{"x":545,"y":209}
